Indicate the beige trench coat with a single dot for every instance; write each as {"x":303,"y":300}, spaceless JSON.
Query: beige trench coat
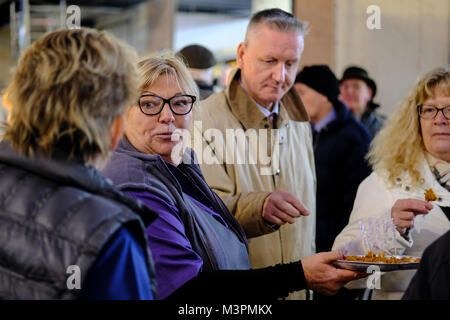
{"x":243,"y":183}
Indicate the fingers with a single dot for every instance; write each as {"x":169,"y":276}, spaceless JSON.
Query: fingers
{"x":414,"y":206}
{"x":273,"y":219}
{"x":328,"y":257}
{"x":345,"y":276}
{"x":404,"y":211}
{"x":280,"y":215}
{"x":297,"y":204}
{"x":287,"y":208}
{"x":281,"y":207}
{"x":321,"y":276}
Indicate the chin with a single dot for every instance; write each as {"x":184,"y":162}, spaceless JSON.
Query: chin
{"x":272,"y":98}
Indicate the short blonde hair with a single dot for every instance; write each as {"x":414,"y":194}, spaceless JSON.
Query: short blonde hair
{"x":399,"y":147}
{"x":154,"y":66}
{"x":67,"y":89}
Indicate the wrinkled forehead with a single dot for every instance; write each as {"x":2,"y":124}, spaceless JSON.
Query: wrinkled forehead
{"x":253,"y":31}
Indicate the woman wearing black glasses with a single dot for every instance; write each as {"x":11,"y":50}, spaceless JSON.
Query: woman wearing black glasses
{"x":410,"y":154}
{"x":196,"y":243}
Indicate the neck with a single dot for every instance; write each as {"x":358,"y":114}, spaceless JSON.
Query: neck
{"x":357,"y":114}
{"x":268,"y":105}
{"x":324,"y":111}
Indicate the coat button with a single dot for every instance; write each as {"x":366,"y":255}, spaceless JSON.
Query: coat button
{"x":277,"y":172}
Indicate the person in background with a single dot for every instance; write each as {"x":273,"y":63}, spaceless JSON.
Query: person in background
{"x":66,"y":231}
{"x":200,"y":61}
{"x":274,"y":198}
{"x":3,"y":109}
{"x":199,"y":248}
{"x":340,"y":145}
{"x":357,"y":93}
{"x":409,"y":155}
{"x":432,"y":280}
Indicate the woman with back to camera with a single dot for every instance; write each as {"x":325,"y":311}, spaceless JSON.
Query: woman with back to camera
{"x":61,"y":220}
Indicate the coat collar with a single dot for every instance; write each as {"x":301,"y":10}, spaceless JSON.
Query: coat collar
{"x":246,"y":110}
{"x":404,"y":183}
{"x":189,"y":157}
{"x":64,"y":171}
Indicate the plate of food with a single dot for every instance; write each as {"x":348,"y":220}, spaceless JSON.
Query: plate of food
{"x":382,"y":261}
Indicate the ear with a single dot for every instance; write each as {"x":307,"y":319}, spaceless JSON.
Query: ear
{"x":370,"y":91}
{"x":115,"y":131}
{"x":240,"y":54}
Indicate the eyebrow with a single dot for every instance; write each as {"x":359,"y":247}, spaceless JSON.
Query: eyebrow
{"x":154,"y":93}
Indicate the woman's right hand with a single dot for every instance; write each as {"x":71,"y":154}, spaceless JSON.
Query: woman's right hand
{"x":404,"y":211}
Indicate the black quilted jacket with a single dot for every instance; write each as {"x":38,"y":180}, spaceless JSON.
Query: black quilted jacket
{"x":55,"y":213}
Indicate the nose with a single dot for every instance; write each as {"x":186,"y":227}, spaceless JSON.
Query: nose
{"x":440,"y":118}
{"x":279,"y":73}
{"x":166,"y":115}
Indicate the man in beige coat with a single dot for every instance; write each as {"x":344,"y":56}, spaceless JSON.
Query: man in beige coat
{"x":262,"y":164}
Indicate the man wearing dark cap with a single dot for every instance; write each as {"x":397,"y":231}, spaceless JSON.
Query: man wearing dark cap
{"x":340,"y":145}
{"x":201,"y":62}
{"x":357,"y":92}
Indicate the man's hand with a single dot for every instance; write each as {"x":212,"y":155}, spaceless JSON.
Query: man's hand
{"x":281,"y":207}
{"x":404,"y":211}
{"x":321,"y":276}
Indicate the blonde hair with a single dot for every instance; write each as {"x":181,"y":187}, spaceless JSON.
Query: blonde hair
{"x":399,"y":147}
{"x":68,"y":88}
{"x":155,"y":66}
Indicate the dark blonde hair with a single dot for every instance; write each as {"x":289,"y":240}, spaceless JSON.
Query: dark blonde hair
{"x":155,"y":66}
{"x":399,"y":147}
{"x":67,"y":89}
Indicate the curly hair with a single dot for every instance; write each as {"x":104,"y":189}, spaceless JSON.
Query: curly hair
{"x":399,"y":146}
{"x":67,"y":89}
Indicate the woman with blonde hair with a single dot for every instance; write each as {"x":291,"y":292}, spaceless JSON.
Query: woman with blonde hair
{"x":410,"y":154}
{"x":199,"y":248}
{"x":66,"y":232}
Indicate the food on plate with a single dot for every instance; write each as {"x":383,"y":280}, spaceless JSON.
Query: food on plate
{"x":430,"y":195}
{"x":381,"y":258}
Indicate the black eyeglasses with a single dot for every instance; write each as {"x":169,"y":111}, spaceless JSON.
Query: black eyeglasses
{"x":430,"y":112}
{"x":151,"y":104}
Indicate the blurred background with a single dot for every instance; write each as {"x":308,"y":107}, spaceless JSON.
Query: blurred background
{"x":396,"y":41}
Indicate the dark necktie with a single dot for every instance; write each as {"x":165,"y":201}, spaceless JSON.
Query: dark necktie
{"x":273,"y":119}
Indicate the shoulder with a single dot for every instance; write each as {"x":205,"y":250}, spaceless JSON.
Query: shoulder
{"x":216,"y":102}
{"x":439,"y":246}
{"x":355,"y":130}
{"x":133,"y":172}
{"x":122,"y":250}
{"x":375,"y":181}
{"x":214,"y":112}
{"x":350,"y":138}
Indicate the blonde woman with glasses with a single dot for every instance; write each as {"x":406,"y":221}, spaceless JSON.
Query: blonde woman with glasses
{"x":199,"y":248}
{"x":410,"y":154}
